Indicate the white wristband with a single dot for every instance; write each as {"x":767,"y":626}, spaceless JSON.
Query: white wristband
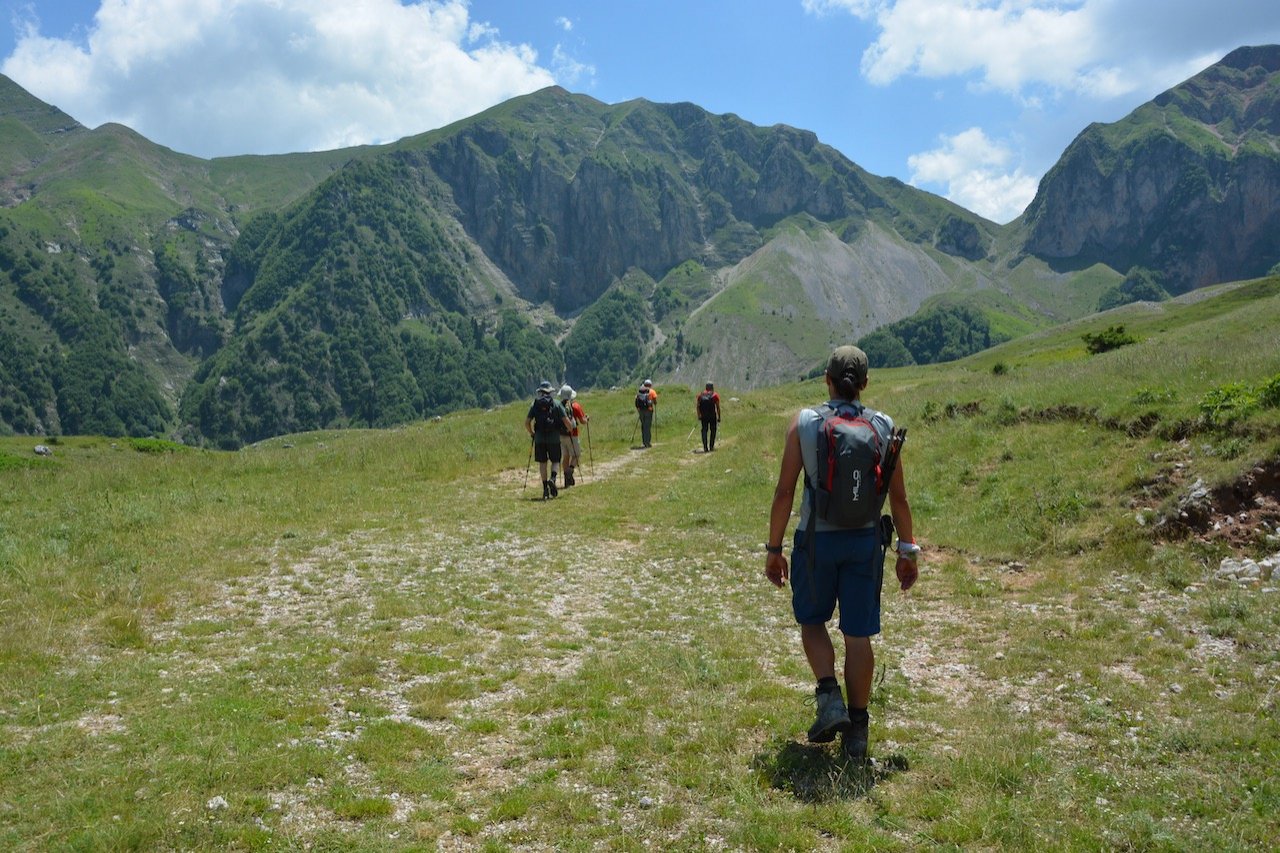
{"x":908,"y":549}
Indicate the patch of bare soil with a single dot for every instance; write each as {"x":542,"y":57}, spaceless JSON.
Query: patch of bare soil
{"x":1240,"y":514}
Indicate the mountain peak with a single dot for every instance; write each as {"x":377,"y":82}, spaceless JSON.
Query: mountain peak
{"x":1243,"y":58}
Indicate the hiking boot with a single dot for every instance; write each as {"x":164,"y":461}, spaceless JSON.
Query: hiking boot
{"x":546,"y":489}
{"x":833,"y":717}
{"x":551,"y":484}
{"x":568,"y":479}
{"x":853,"y":743}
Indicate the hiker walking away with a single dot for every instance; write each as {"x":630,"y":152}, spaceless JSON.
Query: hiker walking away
{"x":570,"y":447}
{"x":646,"y":408}
{"x":839,"y":563}
{"x":709,"y":413}
{"x":545,"y":423}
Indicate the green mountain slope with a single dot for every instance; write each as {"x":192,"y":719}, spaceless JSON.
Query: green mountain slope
{"x":362,"y":311}
{"x":557,"y":237}
{"x":1186,"y":185}
{"x":552,"y":200}
{"x":126,"y":238}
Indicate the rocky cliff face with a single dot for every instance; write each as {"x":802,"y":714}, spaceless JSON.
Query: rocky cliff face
{"x":1185,"y":185}
{"x":567,"y":194}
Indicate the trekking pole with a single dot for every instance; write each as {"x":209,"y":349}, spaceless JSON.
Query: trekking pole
{"x":527,"y":465}
{"x":632,"y":440}
{"x":591,"y":457}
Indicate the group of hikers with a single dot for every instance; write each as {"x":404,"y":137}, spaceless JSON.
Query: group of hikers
{"x":554,"y":419}
{"x":707,"y":411}
{"x":850,"y":457}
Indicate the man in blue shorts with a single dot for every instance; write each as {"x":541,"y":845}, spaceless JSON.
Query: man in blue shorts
{"x":847,"y":562}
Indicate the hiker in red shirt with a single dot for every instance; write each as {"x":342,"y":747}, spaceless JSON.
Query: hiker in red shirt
{"x":708,"y":410}
{"x":570,"y":447}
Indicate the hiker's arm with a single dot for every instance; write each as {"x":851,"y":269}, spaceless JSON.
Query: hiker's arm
{"x":717,"y":410}
{"x":528,"y":426}
{"x":775,"y":565}
{"x":906,"y":569}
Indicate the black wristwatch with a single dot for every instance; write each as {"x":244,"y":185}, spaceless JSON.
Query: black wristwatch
{"x":773,"y":549}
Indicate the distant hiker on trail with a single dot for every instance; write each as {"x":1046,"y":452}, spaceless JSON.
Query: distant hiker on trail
{"x":842,"y":540}
{"x":646,"y":408}
{"x":709,"y":413}
{"x":570,"y":447}
{"x":545,"y":423}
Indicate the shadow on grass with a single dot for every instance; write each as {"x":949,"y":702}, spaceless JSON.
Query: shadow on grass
{"x":819,"y":773}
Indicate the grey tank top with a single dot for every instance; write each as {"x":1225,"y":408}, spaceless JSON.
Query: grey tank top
{"x":807,"y":429}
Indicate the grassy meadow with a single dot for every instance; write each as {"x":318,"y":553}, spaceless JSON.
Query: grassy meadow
{"x":382,"y":640}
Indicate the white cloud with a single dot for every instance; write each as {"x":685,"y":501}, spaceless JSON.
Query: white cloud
{"x":219,"y":77}
{"x":861,"y":8}
{"x":976,"y":173}
{"x":1009,"y":43}
{"x":1096,"y":48}
{"x":564,"y":24}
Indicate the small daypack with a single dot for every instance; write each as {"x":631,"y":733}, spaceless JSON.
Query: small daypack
{"x":545,"y":418}
{"x":707,"y":405}
{"x":643,"y":401}
{"x":852,"y":480}
{"x":849,"y":484}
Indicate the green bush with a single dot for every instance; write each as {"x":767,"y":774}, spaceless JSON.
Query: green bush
{"x":1269,"y":393}
{"x":1113,"y":337}
{"x":1228,"y":400}
{"x":1234,"y":400}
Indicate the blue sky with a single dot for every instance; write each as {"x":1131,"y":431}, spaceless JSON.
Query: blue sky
{"x":970,"y":99}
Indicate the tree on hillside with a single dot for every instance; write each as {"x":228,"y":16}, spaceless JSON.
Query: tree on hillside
{"x":942,"y":333}
{"x":885,"y":349}
{"x":1139,"y":285}
{"x":609,"y":339}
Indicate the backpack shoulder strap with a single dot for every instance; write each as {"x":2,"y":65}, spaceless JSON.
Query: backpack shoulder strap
{"x":823,"y":411}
